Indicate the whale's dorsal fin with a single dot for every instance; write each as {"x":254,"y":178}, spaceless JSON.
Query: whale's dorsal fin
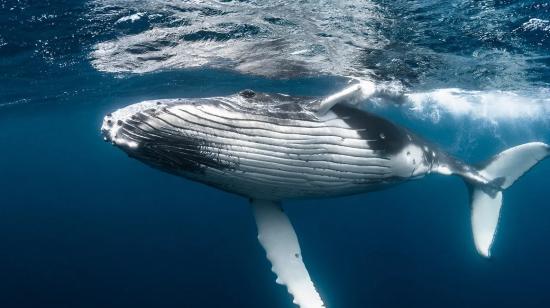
{"x":351,"y":94}
{"x":277,"y":236}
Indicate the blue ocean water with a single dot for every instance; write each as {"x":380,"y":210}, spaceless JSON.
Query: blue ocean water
{"x":82,"y":225}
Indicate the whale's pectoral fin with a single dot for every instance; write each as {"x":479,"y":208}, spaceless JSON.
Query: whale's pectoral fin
{"x":277,"y":236}
{"x":352,"y":94}
{"x":502,"y":171}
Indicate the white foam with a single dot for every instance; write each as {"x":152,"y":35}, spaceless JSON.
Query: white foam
{"x":493,"y":106}
{"x":536,"y":24}
{"x":132,"y":18}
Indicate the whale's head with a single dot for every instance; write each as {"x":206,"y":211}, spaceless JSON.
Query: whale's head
{"x":121,"y":127}
{"x":164,"y":134}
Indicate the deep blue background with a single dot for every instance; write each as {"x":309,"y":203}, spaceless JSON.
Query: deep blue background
{"x":82,"y":225}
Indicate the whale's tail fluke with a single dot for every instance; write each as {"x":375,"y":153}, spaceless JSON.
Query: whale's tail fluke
{"x":486,"y":199}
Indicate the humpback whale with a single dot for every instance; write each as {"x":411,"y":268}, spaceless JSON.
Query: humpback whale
{"x":274,"y":147}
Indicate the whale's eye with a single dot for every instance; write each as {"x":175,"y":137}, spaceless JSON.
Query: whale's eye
{"x":247,"y":93}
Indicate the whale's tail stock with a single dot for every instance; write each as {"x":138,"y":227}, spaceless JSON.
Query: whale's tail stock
{"x":499,"y":173}
{"x":485,"y":183}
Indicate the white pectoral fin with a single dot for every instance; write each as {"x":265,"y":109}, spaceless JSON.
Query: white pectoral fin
{"x":277,"y":236}
{"x":356,"y":92}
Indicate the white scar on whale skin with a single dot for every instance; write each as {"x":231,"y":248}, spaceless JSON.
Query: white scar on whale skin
{"x":275,"y":147}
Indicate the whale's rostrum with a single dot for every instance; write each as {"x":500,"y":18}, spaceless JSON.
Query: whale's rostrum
{"x":275,"y":147}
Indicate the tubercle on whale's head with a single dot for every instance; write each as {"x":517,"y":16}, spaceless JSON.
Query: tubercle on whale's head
{"x":115,"y":121}
{"x":110,"y":128}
